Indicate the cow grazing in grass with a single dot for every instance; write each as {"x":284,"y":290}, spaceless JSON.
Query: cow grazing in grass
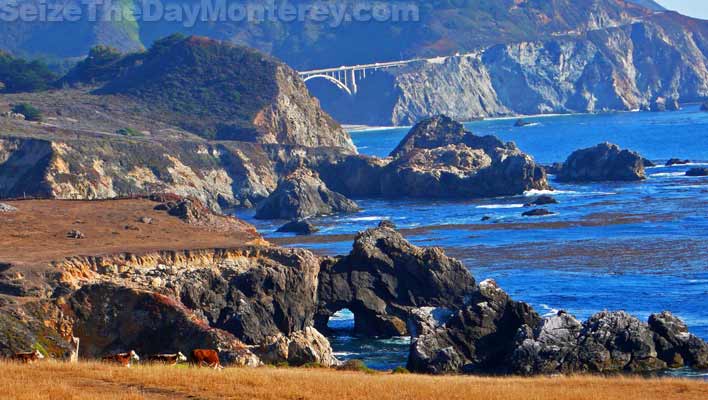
{"x":124,"y":359}
{"x":206,"y":358}
{"x":168,"y":359}
{"x":28,"y":358}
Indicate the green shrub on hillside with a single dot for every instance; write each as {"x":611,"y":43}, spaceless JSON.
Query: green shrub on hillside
{"x":211,"y":88}
{"x":18,"y":75}
{"x":130,"y":132}
{"x":103,"y":64}
{"x":30,"y":112}
{"x":355,"y":366}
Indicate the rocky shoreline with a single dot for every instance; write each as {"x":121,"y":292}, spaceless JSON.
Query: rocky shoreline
{"x":264,"y":304}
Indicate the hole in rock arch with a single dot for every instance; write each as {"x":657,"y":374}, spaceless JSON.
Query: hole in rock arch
{"x":341,"y":322}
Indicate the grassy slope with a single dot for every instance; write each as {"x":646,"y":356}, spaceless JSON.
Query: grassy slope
{"x":50,"y":380}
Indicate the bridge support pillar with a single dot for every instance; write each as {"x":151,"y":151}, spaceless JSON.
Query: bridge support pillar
{"x":353,"y":86}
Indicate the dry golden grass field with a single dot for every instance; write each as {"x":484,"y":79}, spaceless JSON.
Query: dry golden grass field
{"x":52,"y":380}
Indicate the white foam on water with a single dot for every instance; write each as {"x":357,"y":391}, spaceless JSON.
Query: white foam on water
{"x":550,"y":311}
{"x":536,"y":192}
{"x":500,"y":206}
{"x":667,"y":174}
{"x":360,"y":219}
{"x":343,"y":354}
{"x":397,"y":340}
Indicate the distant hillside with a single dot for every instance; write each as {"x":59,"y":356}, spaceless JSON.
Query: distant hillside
{"x":444,"y":27}
{"x":650,"y":4}
{"x":200,"y":86}
{"x":663,"y":58}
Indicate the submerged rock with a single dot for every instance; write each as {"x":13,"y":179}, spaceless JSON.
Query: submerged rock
{"x":520,"y":123}
{"x":697,"y":172}
{"x":302,"y":195}
{"x":542,"y":201}
{"x":604,"y":162}
{"x":384,"y":278}
{"x":299,"y":228}
{"x":553,"y":169}
{"x":539,"y":212}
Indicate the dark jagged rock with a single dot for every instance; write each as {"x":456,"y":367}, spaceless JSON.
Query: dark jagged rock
{"x":553,"y":169}
{"x":438,"y":158}
{"x":604,"y":162}
{"x":188,"y":210}
{"x":384,"y":277}
{"x":677,"y":161}
{"x":697,"y":172}
{"x":520,"y":123}
{"x":275,"y":294}
{"x":608,"y":342}
{"x":549,"y":348}
{"x":539,"y":212}
{"x":439,"y":131}
{"x":648,"y":163}
{"x":675,"y":345}
{"x":302,"y":195}
{"x":617,"y":341}
{"x":478,"y":338}
{"x":661,"y":104}
{"x":387,"y":224}
{"x":110,"y":319}
{"x":298,"y":227}
{"x":542,"y":201}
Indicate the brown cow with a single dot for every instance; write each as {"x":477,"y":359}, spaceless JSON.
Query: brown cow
{"x":124,"y":359}
{"x":168,"y":359}
{"x":206,"y":358}
{"x":28,"y":358}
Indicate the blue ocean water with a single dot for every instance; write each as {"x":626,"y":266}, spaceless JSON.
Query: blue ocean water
{"x":639,"y":247}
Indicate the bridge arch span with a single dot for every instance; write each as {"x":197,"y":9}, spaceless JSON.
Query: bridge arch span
{"x":335,"y":81}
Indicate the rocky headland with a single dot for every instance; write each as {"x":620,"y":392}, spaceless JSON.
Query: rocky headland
{"x":258,"y":303}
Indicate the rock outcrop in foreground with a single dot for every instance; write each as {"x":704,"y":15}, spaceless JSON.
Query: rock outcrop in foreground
{"x":494,"y":334}
{"x":258,"y":303}
{"x":607,"y":342}
{"x":384,"y":278}
{"x":604,"y":162}
{"x":478,"y":338}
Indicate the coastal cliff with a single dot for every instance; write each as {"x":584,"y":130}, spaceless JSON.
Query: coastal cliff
{"x":631,"y":66}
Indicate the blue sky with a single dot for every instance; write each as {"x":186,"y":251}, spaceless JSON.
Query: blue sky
{"x":694,"y":8}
